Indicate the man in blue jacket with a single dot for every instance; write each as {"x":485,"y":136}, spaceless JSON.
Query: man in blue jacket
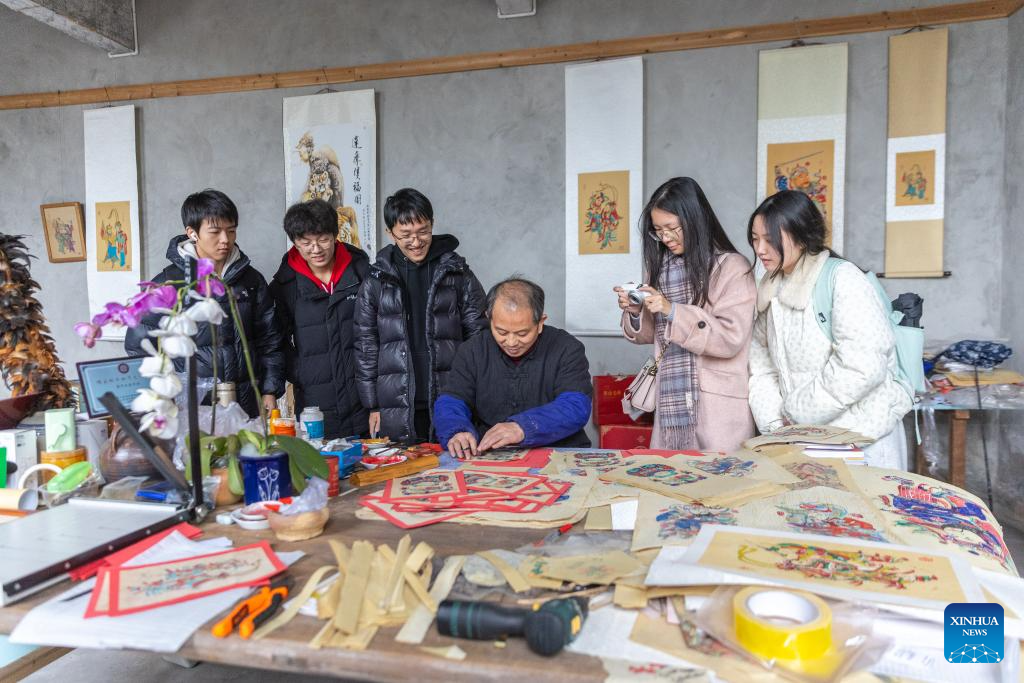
{"x":525,"y":384}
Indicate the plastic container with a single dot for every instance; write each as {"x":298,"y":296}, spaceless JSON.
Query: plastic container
{"x":312,"y":420}
{"x":265,"y":477}
{"x":348,"y":456}
{"x":61,"y":459}
{"x":285,"y":426}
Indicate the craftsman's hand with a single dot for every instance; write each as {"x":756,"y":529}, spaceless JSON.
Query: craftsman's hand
{"x":656,"y":302}
{"x":462,"y":445}
{"x":624,"y":302}
{"x":501,"y":435}
{"x":269,"y":403}
{"x":374,"y":423}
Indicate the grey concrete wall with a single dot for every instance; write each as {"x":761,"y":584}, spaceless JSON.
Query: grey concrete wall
{"x":1013,"y":307}
{"x":488,"y":147}
{"x":1010,"y":424}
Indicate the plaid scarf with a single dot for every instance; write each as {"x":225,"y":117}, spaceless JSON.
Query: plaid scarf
{"x":677,"y":372}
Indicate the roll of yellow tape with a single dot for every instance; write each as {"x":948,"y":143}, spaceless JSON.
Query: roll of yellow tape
{"x":779,"y":624}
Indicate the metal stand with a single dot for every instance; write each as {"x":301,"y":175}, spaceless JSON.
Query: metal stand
{"x":193,"y":420}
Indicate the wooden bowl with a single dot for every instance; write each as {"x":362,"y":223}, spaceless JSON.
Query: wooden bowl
{"x":298,"y":527}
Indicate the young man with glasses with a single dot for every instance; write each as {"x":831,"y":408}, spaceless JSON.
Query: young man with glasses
{"x":210,"y":220}
{"x":418,"y":304}
{"x":315,"y":290}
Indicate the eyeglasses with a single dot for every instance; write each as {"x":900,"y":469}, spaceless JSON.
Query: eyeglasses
{"x":422,"y":235}
{"x":668,"y":233}
{"x":324,"y":243}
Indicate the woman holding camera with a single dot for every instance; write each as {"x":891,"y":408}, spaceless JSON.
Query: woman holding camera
{"x":797,"y":374}
{"x":698,"y":311}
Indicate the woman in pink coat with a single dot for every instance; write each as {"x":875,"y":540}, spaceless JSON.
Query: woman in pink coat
{"x":700,"y":309}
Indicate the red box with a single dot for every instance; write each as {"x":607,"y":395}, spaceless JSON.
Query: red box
{"x":608,"y":392}
{"x":624,"y":437}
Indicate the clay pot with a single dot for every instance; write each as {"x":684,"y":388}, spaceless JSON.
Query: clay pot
{"x":224,"y":496}
{"x":121,"y":457}
{"x":298,"y":527}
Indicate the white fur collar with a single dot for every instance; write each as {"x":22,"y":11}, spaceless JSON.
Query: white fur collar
{"x":187,"y":249}
{"x":795,"y":289}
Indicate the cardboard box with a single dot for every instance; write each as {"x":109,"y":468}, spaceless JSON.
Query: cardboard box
{"x":608,"y":393}
{"x":624,"y":437}
{"x":21,"y":449}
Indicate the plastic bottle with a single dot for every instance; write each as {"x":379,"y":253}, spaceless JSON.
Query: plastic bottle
{"x":312,"y":420}
{"x":281,"y":425}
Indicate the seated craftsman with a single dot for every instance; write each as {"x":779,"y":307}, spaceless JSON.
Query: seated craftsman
{"x":522,"y":385}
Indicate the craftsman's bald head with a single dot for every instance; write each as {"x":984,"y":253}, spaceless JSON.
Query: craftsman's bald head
{"x":516,"y":310}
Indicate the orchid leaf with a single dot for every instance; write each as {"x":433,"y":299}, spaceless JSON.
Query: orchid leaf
{"x":306,"y":458}
{"x":235,"y":484}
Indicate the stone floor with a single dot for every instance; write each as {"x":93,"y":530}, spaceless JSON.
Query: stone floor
{"x":88,"y":666}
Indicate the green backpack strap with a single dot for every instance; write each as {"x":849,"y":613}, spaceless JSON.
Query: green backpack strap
{"x":824,"y":288}
{"x":909,"y":340}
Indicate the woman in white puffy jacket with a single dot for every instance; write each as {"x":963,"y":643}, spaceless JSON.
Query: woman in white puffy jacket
{"x":797,"y":374}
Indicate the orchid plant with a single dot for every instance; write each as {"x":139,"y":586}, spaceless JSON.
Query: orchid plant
{"x":182,"y":308}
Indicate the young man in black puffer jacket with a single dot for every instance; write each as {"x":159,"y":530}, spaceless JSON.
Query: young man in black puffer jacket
{"x":211,"y":221}
{"x":315,"y":289}
{"x":418,"y":304}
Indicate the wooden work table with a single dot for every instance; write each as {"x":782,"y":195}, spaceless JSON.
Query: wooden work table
{"x":287,"y":648}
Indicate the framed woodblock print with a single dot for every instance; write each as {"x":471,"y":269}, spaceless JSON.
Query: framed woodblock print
{"x":64,"y":231}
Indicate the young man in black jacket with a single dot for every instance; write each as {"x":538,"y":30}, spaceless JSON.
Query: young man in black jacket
{"x":315,"y":290}
{"x":211,"y":222}
{"x":419,"y":303}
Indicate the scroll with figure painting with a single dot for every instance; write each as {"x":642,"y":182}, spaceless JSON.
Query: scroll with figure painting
{"x":801,"y":128}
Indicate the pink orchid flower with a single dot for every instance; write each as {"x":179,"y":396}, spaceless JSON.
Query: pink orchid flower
{"x":207,"y":283}
{"x":89,"y":332}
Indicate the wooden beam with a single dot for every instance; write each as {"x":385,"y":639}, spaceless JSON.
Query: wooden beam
{"x":602,"y":49}
{"x":31,"y":663}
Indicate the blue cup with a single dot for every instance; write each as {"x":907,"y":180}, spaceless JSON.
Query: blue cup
{"x":265,"y":477}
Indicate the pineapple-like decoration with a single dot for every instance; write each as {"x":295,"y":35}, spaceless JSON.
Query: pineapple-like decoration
{"x":28,"y":357}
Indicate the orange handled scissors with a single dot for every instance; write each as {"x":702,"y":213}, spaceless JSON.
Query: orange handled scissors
{"x":244,"y":615}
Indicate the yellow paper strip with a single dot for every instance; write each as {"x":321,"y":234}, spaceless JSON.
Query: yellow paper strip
{"x":516,"y":580}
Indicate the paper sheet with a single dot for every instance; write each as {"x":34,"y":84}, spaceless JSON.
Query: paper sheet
{"x":669,"y":569}
{"x":164,"y":629}
{"x":606,"y":632}
{"x":663,"y":521}
{"x":845,"y":569}
{"x":624,"y":515}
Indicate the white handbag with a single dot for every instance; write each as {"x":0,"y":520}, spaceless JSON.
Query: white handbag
{"x":642,"y":394}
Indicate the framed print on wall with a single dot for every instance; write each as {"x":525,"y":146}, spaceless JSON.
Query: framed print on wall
{"x":64,"y":231}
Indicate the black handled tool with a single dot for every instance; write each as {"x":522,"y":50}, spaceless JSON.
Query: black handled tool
{"x":547,"y":627}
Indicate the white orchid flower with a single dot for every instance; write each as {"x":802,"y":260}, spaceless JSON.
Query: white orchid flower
{"x":167,"y":385}
{"x":162,"y":426}
{"x":206,"y":310}
{"x":155,"y":365}
{"x":178,"y":346}
{"x":179,"y":325}
{"x":150,"y":401}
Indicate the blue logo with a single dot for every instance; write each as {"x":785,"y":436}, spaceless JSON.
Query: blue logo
{"x":973,"y":632}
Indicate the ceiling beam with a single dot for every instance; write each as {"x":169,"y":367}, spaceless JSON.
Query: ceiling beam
{"x":935,"y":15}
{"x":105,"y":24}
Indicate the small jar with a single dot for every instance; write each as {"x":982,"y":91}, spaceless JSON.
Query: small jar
{"x":312,"y":420}
{"x":226,"y":394}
